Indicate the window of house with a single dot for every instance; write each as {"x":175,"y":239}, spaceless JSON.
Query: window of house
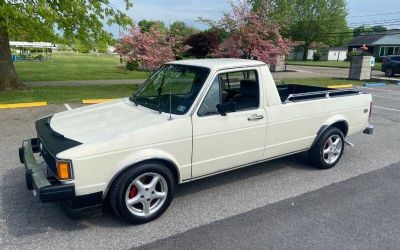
{"x":239,"y":87}
{"x":390,"y":51}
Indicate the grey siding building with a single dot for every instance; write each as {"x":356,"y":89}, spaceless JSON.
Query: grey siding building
{"x":379,"y":44}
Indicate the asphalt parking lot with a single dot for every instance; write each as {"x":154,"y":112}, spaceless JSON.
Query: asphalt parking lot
{"x":224,"y":202}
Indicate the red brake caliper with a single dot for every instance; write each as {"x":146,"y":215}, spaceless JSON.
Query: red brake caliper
{"x":133,"y":192}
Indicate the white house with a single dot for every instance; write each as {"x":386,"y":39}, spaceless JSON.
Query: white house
{"x":297,"y":55}
{"x":334,"y":54}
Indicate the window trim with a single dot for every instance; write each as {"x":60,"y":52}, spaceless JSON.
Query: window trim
{"x":227,"y":71}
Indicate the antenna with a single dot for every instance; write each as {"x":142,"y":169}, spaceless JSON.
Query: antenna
{"x":170,"y":105}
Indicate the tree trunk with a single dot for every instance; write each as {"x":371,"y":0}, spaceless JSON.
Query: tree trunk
{"x":8,"y":77}
{"x":305,"y":55}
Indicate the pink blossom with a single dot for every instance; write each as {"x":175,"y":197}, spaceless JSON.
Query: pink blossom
{"x":251,"y":37}
{"x":151,"y":49}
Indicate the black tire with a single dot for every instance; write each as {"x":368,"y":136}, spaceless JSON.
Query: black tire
{"x":123,"y":182}
{"x":389,"y":72}
{"x":316,"y":153}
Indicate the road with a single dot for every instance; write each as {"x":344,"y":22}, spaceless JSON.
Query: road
{"x":234,"y":200}
{"x":315,"y":72}
{"x":362,"y":212}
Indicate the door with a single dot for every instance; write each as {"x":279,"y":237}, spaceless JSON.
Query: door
{"x":222,"y":142}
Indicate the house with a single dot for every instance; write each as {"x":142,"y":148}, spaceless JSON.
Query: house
{"x":298,"y":51}
{"x":379,"y":44}
{"x":334,"y":54}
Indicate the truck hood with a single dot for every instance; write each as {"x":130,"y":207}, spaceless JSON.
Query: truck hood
{"x":104,"y":121}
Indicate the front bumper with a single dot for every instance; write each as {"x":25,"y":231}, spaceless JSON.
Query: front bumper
{"x":369,"y":130}
{"x":36,"y":178}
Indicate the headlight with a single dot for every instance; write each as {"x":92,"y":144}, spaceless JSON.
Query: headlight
{"x":64,"y":170}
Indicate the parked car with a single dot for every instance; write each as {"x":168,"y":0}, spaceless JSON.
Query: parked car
{"x":391,"y":65}
{"x":191,"y":119}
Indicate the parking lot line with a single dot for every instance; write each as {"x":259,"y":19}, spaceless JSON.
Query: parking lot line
{"x":67,"y":106}
{"x":387,"y":90}
{"x":396,"y":110}
{"x":386,"y":97}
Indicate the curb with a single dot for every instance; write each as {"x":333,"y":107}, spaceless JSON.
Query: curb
{"x":375,"y":84}
{"x":22,"y":105}
{"x":341,"y":86}
{"x":94,"y":101}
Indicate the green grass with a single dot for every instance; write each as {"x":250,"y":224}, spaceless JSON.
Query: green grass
{"x":75,"y":67}
{"x":62,"y":94}
{"x":66,"y":93}
{"x":332,"y":64}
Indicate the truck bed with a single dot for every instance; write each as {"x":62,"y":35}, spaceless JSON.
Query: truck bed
{"x":297,"y":92}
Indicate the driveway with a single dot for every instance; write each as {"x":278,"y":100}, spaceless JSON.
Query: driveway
{"x":354,"y":204}
{"x":311,"y":71}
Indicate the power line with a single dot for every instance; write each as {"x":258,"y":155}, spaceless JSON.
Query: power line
{"x":379,"y":14}
{"x":376,"y":22}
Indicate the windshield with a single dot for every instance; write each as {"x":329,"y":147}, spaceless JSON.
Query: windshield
{"x":171,"y":88}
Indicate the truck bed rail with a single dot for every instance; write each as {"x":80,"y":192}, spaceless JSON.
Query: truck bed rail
{"x":321,"y":94}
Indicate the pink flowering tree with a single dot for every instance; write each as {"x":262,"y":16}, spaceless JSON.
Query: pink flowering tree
{"x":251,"y":36}
{"x":151,"y":49}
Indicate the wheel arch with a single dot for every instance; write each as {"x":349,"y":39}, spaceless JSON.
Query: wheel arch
{"x":172,"y":166}
{"x":340,"y":124}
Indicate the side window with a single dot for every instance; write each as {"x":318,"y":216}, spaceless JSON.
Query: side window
{"x":209,"y":105}
{"x":239,"y":87}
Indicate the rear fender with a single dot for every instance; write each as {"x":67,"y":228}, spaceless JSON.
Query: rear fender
{"x":329,"y":123}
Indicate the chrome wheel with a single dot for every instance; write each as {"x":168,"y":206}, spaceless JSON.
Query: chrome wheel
{"x":389,"y":72}
{"x":332,"y":149}
{"x":146,"y":194}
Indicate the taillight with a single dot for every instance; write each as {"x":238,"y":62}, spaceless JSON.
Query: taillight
{"x":370,"y":110}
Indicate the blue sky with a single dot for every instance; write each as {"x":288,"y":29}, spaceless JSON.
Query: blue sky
{"x":189,"y":10}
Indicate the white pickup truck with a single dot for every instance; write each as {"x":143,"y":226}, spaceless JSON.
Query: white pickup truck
{"x":189,"y":120}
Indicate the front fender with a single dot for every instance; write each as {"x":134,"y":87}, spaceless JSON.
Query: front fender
{"x":141,"y":156}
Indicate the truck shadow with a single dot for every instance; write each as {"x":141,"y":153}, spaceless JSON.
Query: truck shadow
{"x":23,"y":215}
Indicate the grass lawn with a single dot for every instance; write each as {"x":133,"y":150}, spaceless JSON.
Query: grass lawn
{"x":75,"y":67}
{"x":62,"y":94}
{"x":66,"y":93}
{"x":332,"y":64}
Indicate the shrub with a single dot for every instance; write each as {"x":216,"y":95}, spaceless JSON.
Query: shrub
{"x":352,"y":53}
{"x":132,"y":65}
{"x":317,"y":56}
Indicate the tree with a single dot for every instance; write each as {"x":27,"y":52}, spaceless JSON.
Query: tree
{"x":47,"y":20}
{"x":146,"y":25}
{"x":251,"y":35}
{"x":308,"y":21}
{"x":151,"y":49}
{"x":202,"y":44}
{"x":179,"y":28}
{"x":363,"y":29}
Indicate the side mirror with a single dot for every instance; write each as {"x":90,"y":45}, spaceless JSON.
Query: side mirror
{"x":226,"y":107}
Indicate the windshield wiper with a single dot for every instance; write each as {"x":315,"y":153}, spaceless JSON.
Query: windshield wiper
{"x":133,"y":98}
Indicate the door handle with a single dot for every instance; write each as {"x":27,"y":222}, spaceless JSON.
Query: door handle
{"x":255,"y":117}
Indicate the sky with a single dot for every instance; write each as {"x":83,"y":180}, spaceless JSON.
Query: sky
{"x":168,"y":11}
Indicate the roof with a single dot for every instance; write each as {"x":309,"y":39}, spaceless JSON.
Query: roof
{"x":385,"y":38}
{"x":219,"y":63}
{"x":389,"y":40}
{"x":32,"y":44}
